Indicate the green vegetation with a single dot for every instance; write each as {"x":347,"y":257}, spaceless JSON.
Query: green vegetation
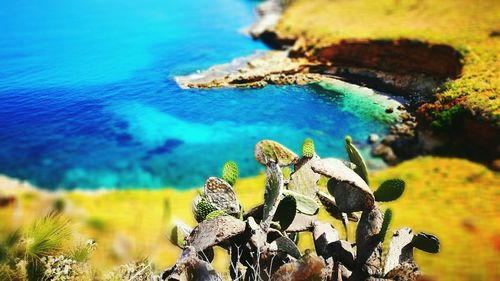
{"x":43,"y":251}
{"x":450,"y":120}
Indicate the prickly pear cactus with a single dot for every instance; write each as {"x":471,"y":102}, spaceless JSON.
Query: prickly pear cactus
{"x":201,"y":208}
{"x":285,"y":245}
{"x":286,"y":211}
{"x":286,"y":173}
{"x":215,"y":214}
{"x":385,"y":224}
{"x":426,"y":242}
{"x":230,"y":172}
{"x":221,"y":195}
{"x":264,"y":239}
{"x":308,"y":148}
{"x":329,"y":204}
{"x":272,"y":194}
{"x":268,"y":150}
{"x":304,"y":180}
{"x":356,"y":158}
{"x":179,"y":233}
{"x":305,"y":204}
{"x":389,"y":190}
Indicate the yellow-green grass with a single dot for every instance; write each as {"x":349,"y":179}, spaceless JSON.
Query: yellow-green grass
{"x":464,"y":24}
{"x":455,"y":199}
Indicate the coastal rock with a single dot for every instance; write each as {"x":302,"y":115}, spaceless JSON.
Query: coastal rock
{"x":255,"y":71}
{"x":385,"y":152}
{"x":373,"y":138}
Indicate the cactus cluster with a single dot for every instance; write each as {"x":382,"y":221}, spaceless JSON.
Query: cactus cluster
{"x":262,"y":243}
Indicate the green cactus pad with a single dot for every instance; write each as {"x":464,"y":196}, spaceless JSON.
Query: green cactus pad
{"x":215,"y":214}
{"x":286,"y":211}
{"x":385,"y":224}
{"x":323,"y":181}
{"x":426,"y":242}
{"x":268,"y":150}
{"x":305,"y":204}
{"x":230,"y":172}
{"x":286,"y":173}
{"x":202,"y":209}
{"x":272,"y":194}
{"x":356,"y":158}
{"x":389,"y":190}
{"x":179,"y":233}
{"x":308,"y":148}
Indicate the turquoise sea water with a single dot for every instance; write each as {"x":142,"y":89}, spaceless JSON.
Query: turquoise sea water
{"x":87,"y":96}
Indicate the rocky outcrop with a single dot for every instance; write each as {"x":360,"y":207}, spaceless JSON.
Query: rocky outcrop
{"x":394,"y":56}
{"x":255,"y":71}
{"x":268,"y":14}
{"x":403,"y":67}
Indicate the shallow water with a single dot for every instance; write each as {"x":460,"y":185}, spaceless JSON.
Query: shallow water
{"x":88,"y":97}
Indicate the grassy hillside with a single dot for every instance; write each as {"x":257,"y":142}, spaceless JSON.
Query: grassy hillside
{"x":455,"y":199}
{"x":468,"y":26}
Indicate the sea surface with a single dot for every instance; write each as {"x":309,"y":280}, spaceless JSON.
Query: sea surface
{"x":88,"y":97}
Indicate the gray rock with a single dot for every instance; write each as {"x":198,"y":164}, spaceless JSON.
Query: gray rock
{"x":373,"y":138}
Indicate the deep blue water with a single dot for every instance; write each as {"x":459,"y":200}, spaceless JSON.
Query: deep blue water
{"x":87,"y":96}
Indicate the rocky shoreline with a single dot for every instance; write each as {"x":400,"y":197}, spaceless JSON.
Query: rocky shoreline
{"x":408,"y":68}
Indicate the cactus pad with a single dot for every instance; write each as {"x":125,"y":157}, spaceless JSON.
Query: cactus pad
{"x":202,"y":208}
{"x":304,"y":180}
{"x":389,"y":190}
{"x":215,"y":214}
{"x":274,"y":188}
{"x":286,"y":211}
{"x":385,"y":224}
{"x":330,"y":205}
{"x":230,"y":172}
{"x":179,"y":233}
{"x":268,"y":150}
{"x":305,"y":204}
{"x":285,"y":245}
{"x":426,"y":242}
{"x":221,"y":195}
{"x":356,"y":158}
{"x":308,"y":148}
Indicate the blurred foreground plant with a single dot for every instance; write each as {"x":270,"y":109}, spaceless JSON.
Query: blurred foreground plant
{"x":44,"y":251}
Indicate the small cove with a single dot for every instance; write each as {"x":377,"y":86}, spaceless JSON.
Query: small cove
{"x":88,"y":97}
